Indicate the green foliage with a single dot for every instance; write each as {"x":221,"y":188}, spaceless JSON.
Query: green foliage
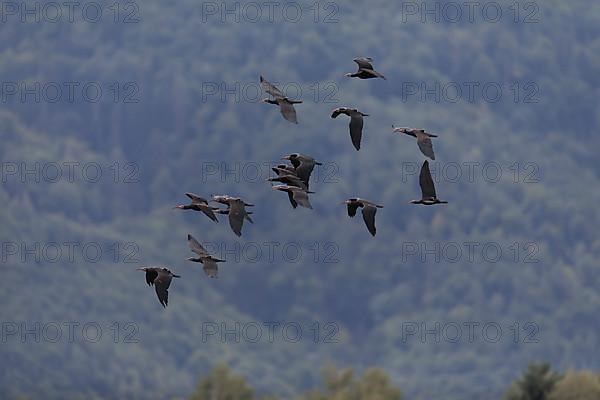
{"x":221,"y":384}
{"x":374,"y":384}
{"x":577,"y":386}
{"x":537,"y":383}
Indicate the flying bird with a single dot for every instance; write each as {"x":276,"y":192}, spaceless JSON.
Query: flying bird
{"x":226,"y":199}
{"x":365,"y":69}
{"x":369,"y":210}
{"x":161,"y":279}
{"x":209,"y":262}
{"x":303,"y":165}
{"x":236,"y":211}
{"x":284,"y":169}
{"x":289,"y":179}
{"x":356,"y":123}
{"x":297,"y":196}
{"x":428,"y":196}
{"x":286,"y":105}
{"x":423,"y":139}
{"x":199,"y":204}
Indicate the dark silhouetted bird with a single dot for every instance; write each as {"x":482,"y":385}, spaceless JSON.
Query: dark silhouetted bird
{"x":236,"y":211}
{"x":286,"y":106}
{"x":284,"y":169}
{"x":356,"y":123}
{"x":209,"y":262}
{"x":365,"y":69}
{"x":289,"y":179}
{"x":199,"y":204}
{"x":161,"y":279}
{"x":423,"y":139}
{"x":369,"y":210}
{"x":303,"y":166}
{"x":428,"y":196}
{"x":297,"y":196}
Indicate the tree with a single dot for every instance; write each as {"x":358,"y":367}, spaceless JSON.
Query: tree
{"x":537,"y":382}
{"x":221,"y":384}
{"x":577,"y":386}
{"x":374,"y":384}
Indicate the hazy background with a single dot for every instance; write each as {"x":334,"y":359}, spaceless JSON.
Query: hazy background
{"x":165,"y":100}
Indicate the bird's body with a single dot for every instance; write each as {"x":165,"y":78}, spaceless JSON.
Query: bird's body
{"x":286,"y":105}
{"x":236,"y":211}
{"x":209,"y":262}
{"x":303,"y":166}
{"x":369,"y":209}
{"x":199,"y":204}
{"x":428,"y":195}
{"x":365,"y":69}
{"x":297,"y":196}
{"x":160,"y":278}
{"x":356,"y":123}
{"x":423,"y":139}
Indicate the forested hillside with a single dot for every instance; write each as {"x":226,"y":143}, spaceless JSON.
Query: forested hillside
{"x":105,"y":124}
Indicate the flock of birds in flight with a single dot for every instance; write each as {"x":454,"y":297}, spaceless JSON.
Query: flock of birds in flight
{"x":293,"y":178}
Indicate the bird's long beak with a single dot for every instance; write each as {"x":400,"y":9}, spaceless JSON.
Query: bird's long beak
{"x":176,"y":276}
{"x":140,"y":269}
{"x":178,"y":206}
{"x":285,"y":158}
{"x":318,"y":163}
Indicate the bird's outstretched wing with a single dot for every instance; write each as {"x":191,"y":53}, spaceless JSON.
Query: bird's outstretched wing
{"x":425,"y":145}
{"x":352,"y":207}
{"x":196,"y":199}
{"x":209,"y":212}
{"x":236,"y":216}
{"x":210,"y":267}
{"x":364,"y":62}
{"x":426,"y":182}
{"x":368,"y":213}
{"x":304,"y":169}
{"x":270,"y":88}
{"x":301,"y":197}
{"x":151,"y":275}
{"x":288,"y":111}
{"x":356,"y":127}
{"x":161,"y":285}
{"x":195,"y":246}
{"x":292,"y":199}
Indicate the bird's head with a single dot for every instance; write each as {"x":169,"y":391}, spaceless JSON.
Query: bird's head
{"x":270,"y":101}
{"x":142,"y":269}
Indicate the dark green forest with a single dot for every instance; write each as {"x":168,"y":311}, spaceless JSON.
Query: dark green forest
{"x":106,"y":120}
